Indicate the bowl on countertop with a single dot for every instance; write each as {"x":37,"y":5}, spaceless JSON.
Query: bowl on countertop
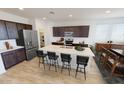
{"x":79,"y":48}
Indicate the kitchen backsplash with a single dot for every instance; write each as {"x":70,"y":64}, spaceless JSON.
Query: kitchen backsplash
{"x":12,"y":42}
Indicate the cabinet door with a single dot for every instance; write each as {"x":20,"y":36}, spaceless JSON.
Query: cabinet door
{"x":28,"y":27}
{"x":76,"y":31}
{"x":61,"y":31}
{"x":20,"y":55}
{"x":84,"y":31}
{"x":56,"y":31}
{"x":12,"y":30}
{"x":3,"y":31}
{"x":9,"y":59}
{"x":20,"y":26}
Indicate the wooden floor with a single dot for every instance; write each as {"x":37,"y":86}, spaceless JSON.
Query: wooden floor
{"x":31,"y":73}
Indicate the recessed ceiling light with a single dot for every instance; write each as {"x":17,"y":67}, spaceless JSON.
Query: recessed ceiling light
{"x":108,"y":12}
{"x":70,"y":15}
{"x":21,"y":8}
{"x":44,"y":18}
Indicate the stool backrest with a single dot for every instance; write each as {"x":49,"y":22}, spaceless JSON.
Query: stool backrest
{"x":65,"y":57}
{"x":51,"y":55}
{"x":82,"y":60}
{"x":39,"y":53}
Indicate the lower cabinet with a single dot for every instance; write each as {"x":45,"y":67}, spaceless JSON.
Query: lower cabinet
{"x":20,"y":55}
{"x":11,"y":58}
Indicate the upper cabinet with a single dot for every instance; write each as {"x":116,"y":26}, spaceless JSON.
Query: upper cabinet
{"x":57,"y":31}
{"x":9,"y":30}
{"x":78,"y":31}
{"x":3,"y":31}
{"x":20,"y":26}
{"x":23,"y":26}
{"x":12,"y":30}
{"x":28,"y":27}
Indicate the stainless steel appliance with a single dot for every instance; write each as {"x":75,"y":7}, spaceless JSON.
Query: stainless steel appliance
{"x":68,"y":37}
{"x":29,"y":40}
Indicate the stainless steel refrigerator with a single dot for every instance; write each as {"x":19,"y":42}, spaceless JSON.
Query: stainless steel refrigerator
{"x":28,"y":39}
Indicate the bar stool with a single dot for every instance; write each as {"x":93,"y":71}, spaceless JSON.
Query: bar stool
{"x":53,"y":60}
{"x":81,"y":60}
{"x":40,"y":55}
{"x":66,"y":59}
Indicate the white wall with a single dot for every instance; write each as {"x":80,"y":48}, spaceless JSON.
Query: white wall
{"x":44,"y":26}
{"x":118,"y":33}
{"x":12,"y":43}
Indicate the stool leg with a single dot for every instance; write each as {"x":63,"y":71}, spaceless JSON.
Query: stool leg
{"x":39,"y":61}
{"x":76,"y":71}
{"x":55,"y":66}
{"x":84,"y":73}
{"x":57,"y":63}
{"x":69,"y":69}
{"x":62,"y":67}
{"x":46,"y":60}
{"x":50,"y":65}
{"x":44,"y":63}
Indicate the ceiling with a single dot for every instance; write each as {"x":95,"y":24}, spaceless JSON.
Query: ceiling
{"x":62,"y":14}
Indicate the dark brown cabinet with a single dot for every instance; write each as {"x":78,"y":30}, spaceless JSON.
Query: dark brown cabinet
{"x":84,"y":31}
{"x":20,"y":55}
{"x":28,"y":27}
{"x":78,"y":31}
{"x":100,"y":45}
{"x":3,"y":31}
{"x":20,"y":26}
{"x":12,"y":30}
{"x":57,"y":32}
{"x":11,"y":58}
{"x":108,"y":46}
{"x":9,"y":30}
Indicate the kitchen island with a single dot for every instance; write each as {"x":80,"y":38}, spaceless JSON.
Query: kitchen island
{"x":70,"y":50}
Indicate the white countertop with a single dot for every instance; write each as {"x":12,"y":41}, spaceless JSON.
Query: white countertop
{"x":14,"y":48}
{"x":61,"y":49}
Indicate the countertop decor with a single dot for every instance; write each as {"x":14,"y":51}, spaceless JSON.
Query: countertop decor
{"x":79,"y":48}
